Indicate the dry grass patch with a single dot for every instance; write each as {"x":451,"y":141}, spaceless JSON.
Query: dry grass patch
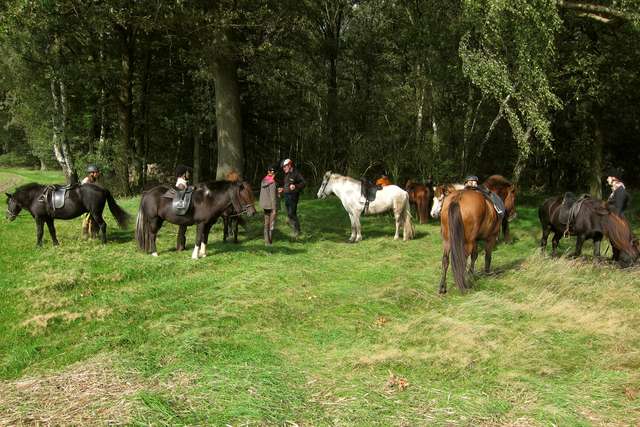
{"x":87,"y":393}
{"x":39,"y":323}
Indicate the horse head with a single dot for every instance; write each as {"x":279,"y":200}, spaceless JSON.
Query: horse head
{"x":13,"y":207}
{"x":325,"y":187}
{"x":510,"y":202}
{"x":244,"y":202}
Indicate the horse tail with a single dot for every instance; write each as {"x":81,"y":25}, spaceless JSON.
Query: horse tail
{"x":408,"y":229}
{"x":456,"y":243}
{"x":142,"y":229}
{"x":121,"y":216}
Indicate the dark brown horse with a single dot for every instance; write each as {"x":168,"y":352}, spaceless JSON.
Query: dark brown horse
{"x":209,"y":201}
{"x":37,"y":199}
{"x":507,"y":192}
{"x":466,"y":217}
{"x":420,"y":196}
{"x":590,"y":220}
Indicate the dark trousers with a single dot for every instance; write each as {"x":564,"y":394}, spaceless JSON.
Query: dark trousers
{"x":291,"y":202}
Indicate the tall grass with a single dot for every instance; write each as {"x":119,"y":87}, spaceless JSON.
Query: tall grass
{"x":311,"y":331}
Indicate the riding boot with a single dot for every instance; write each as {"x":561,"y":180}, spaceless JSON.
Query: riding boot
{"x":267,"y":236}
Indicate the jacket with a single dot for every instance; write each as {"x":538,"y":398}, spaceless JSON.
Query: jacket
{"x":294,"y":177}
{"x":268,"y":194}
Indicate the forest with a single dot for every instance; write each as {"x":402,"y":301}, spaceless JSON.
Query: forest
{"x":544,"y":92}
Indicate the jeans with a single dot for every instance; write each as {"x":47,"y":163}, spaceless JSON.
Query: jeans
{"x":291,"y":202}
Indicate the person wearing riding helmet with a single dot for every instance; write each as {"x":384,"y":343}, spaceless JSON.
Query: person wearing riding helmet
{"x":471,"y":181}
{"x":619,"y":198}
{"x":89,"y":226}
{"x":292,"y":186}
{"x":269,"y":202}
{"x":93,"y":173}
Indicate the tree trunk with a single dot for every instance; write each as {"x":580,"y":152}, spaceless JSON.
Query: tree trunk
{"x":228,"y":117}
{"x":61,"y":148}
{"x":197,"y":138}
{"x":595,"y":181}
{"x":125,"y":104}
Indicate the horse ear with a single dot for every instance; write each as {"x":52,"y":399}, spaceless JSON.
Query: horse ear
{"x":9,"y":195}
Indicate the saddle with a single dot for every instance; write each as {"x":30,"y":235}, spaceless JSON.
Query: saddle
{"x":368,"y":191}
{"x":55,"y":195}
{"x":569,"y":209}
{"x":497,"y":202}
{"x":181,"y":199}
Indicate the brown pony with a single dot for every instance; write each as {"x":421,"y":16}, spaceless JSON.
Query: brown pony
{"x":507,"y":192}
{"x":420,"y":196}
{"x":466,"y":217}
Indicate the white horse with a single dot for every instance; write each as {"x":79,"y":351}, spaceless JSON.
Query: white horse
{"x":349,"y":191}
{"x":439,"y":193}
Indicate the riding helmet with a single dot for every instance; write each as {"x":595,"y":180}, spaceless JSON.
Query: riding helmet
{"x":92,"y":168}
{"x":471,"y":178}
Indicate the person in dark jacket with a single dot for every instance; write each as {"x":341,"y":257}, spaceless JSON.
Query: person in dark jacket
{"x":269,"y":203}
{"x":292,"y":186}
{"x":619,"y":198}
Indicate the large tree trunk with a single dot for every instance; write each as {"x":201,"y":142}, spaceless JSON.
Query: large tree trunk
{"x":228,"y":117}
{"x":61,"y":148}
{"x":595,"y":181}
{"x":125,"y":104}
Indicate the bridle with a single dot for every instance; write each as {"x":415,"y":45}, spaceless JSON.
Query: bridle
{"x":237,"y":206}
{"x":324,"y":186}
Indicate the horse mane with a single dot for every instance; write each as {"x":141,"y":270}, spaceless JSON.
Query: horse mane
{"x":620,"y":234}
{"x":232,"y":176}
{"x":498,"y":182}
{"x":28,"y":187}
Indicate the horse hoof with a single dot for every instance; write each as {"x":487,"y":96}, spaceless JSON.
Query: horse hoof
{"x":154,"y":254}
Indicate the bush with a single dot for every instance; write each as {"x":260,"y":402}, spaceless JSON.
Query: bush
{"x":18,"y":160}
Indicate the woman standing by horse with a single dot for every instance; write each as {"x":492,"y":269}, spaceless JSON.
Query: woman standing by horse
{"x":466,"y":217}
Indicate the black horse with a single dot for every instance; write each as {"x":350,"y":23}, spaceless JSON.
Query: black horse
{"x":588,"y":218}
{"x":80,"y":198}
{"x":209,"y":201}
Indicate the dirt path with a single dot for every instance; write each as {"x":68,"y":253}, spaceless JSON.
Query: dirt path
{"x":9,"y":181}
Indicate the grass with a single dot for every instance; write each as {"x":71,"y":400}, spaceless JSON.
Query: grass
{"x":313,"y":332}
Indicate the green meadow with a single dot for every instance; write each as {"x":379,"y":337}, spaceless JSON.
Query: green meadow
{"x":313,"y":331}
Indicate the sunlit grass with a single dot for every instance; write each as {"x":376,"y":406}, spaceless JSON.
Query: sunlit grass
{"x":311,"y":331}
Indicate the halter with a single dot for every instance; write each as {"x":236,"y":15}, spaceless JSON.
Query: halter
{"x":324,"y":186}
{"x":239,"y":208}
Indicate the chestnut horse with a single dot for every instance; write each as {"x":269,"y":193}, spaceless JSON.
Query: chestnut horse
{"x":466,"y":217}
{"x":499,"y":185}
{"x":420,"y":195}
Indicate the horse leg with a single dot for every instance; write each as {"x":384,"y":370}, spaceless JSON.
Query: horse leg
{"x":505,"y":229}
{"x":199,"y":241}
{"x":579,"y":242}
{"x":397,"y":214}
{"x":555,"y":241}
{"x":488,"y":248}
{"x":474,"y":257}
{"x":181,"y":243}
{"x":205,"y":239}
{"x":52,"y":231}
{"x":358,"y":228}
{"x":154,"y":227}
{"x":352,"y":238}
{"x":544,"y":239}
{"x":39,"y":230}
{"x":102,"y":226}
{"x":445,"y":266}
{"x":596,"y":247}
